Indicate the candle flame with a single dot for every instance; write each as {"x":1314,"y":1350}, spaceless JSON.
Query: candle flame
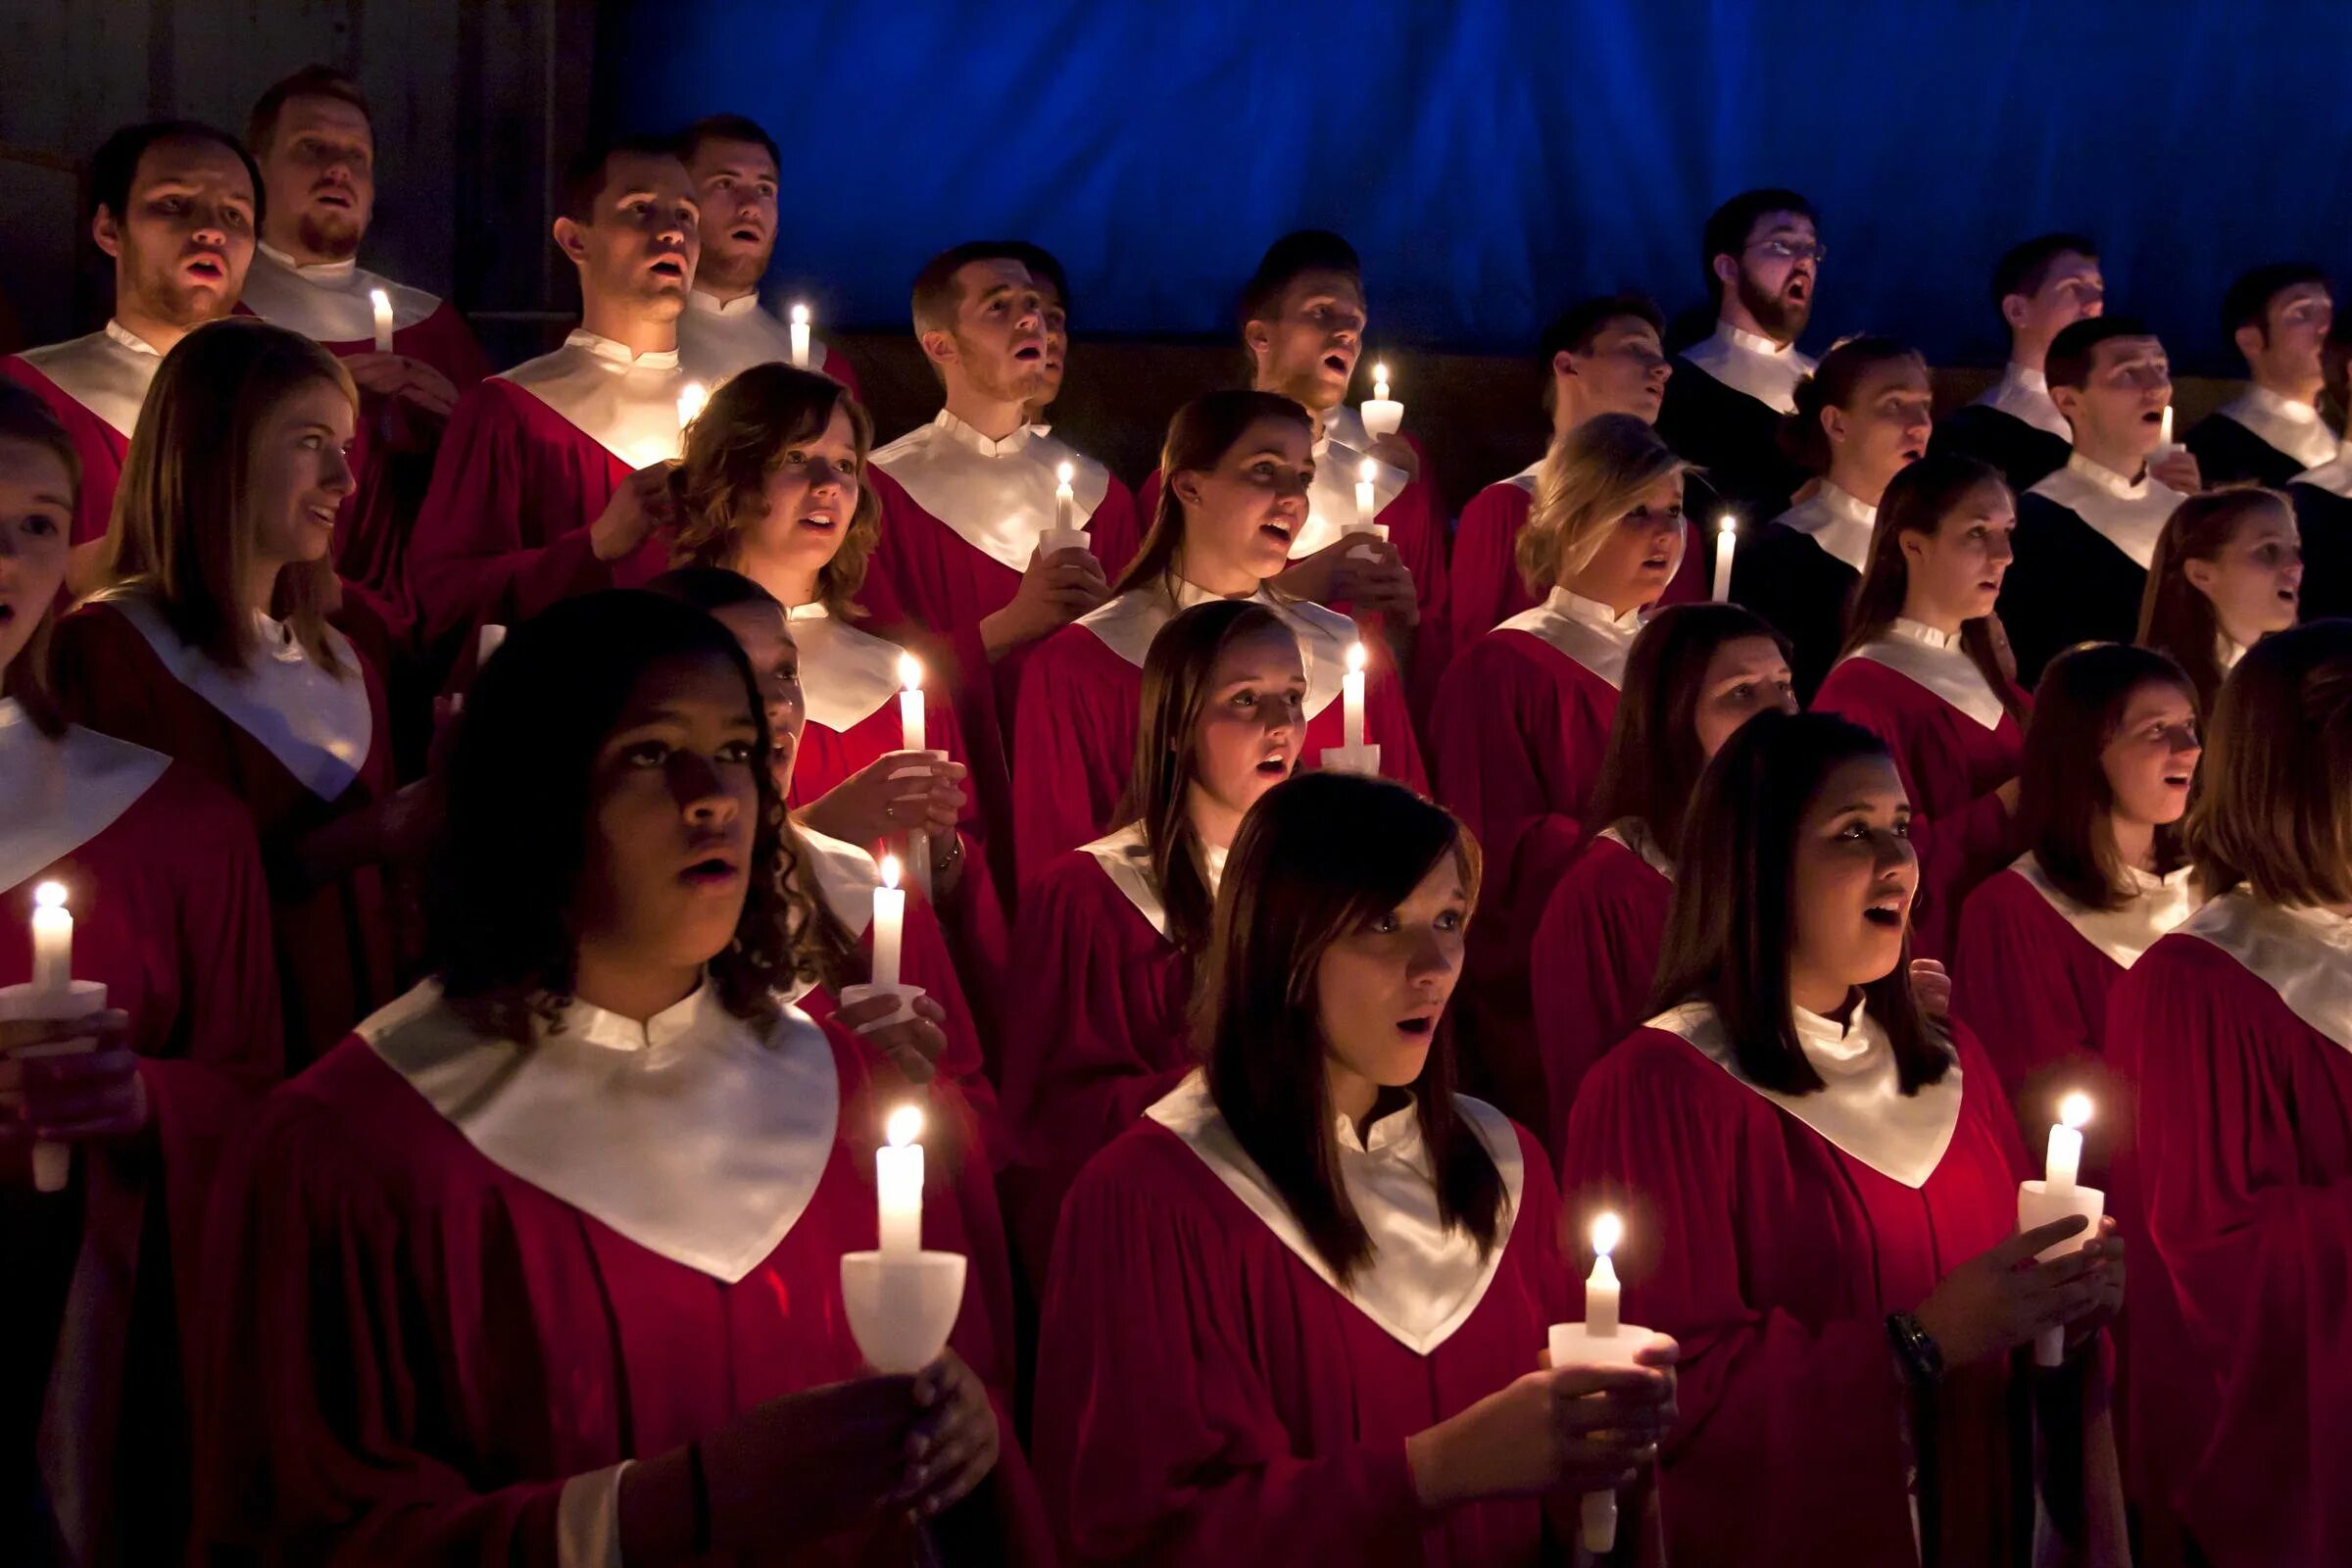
{"x":800,"y":315}
{"x":1380,"y":370}
{"x":1367,"y":471}
{"x":1607,"y":1231}
{"x":905,"y":1126}
{"x":1066,"y":472}
{"x":379,"y":299}
{"x":1727,"y":526}
{"x":691,"y":398}
{"x":911,"y":672}
{"x":50,"y":895}
{"x":1355,"y":658}
{"x":2075,"y":1109}
{"x":890,"y":871}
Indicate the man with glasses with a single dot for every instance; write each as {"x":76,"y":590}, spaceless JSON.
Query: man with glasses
{"x":2086,"y":533}
{"x":2040,"y":288}
{"x":2279,"y":317}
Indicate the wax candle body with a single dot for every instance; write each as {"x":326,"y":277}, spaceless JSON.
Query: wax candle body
{"x":898,"y":1185}
{"x":1365,"y":509}
{"x":381,"y":303}
{"x":890,"y":923}
{"x":1065,"y":500}
{"x":800,"y":337}
{"x":52,"y":941}
{"x":1726,"y":538}
{"x":1352,"y":696}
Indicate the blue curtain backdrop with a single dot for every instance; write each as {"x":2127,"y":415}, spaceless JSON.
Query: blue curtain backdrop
{"x":1492,"y":160}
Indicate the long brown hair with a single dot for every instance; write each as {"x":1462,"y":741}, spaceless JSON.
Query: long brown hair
{"x":2063,"y":797}
{"x":2273,"y":807}
{"x":1652,"y":759}
{"x":2176,"y":618}
{"x":183,"y":529}
{"x":1590,"y":476}
{"x":27,"y":421}
{"x":1919,"y":500}
{"x":1319,"y":857}
{"x":734,"y":448}
{"x":1203,"y":432}
{"x":1176,"y":688}
{"x":1834,"y":385}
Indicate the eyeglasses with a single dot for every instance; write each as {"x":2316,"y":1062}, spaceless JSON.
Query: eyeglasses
{"x":1794,"y":250}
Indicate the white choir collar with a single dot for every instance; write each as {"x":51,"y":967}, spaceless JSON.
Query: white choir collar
{"x":717,"y":341}
{"x":131,"y":340}
{"x":1127,"y":624}
{"x":1126,"y":859}
{"x":2158,"y":905}
{"x":62,"y":793}
{"x":1339,"y":454}
{"x":328,"y":302}
{"x":1764,"y":370}
{"x":1586,"y":631}
{"x":626,"y":403}
{"x":969,"y":436}
{"x":2334,"y":475}
{"x":708,"y":304}
{"x":1633,"y":834}
{"x":2129,"y":514}
{"x":1837,"y":521}
{"x":2024,"y":395}
{"x":2304,"y":955}
{"x":1424,"y":1279}
{"x":618,"y":353}
{"x":1936,"y":662}
{"x":329,"y":275}
{"x":997,"y":496}
{"x":846,"y":876}
{"x":1863,"y":1109}
{"x":2286,"y":426}
{"x":847,"y":675}
{"x":107,"y":372}
{"x":697,"y":1135}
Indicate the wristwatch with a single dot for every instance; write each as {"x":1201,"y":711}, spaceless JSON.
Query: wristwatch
{"x":1922,"y":1359}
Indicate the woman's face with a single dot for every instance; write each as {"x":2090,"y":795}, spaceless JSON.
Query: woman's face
{"x":1380,"y":990}
{"x":1957,"y":572}
{"x":2151,"y":759}
{"x":1247,"y":737}
{"x":1639,"y":552}
{"x":811,"y":497}
{"x":36,"y":525}
{"x":298,"y":473}
{"x":2256,"y":580}
{"x":1240,"y":515}
{"x":1855,"y":875}
{"x":1884,"y":427}
{"x":673,"y":801}
{"x":1745,"y":677}
{"x":775,"y":658}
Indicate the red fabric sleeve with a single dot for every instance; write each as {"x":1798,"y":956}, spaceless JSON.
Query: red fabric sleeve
{"x":1483,"y":588}
{"x":2012,"y":988}
{"x":1072,"y":744}
{"x":96,"y":443}
{"x":1592,"y":963}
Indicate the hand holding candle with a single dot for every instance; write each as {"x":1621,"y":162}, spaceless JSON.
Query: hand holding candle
{"x":2059,"y":1195}
{"x":1383,"y":415}
{"x":800,"y":337}
{"x":1727,"y":539}
{"x":52,"y":995}
{"x":1601,"y":1340}
{"x":381,"y":303}
{"x":890,"y":923}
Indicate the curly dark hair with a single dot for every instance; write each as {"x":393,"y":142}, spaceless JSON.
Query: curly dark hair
{"x":513,"y":836}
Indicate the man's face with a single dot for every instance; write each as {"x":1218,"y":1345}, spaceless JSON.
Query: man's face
{"x":999,"y":341}
{"x":1307,"y":351}
{"x":2070,"y":291}
{"x":1057,"y":340}
{"x":642,"y":238}
{"x":1774,"y":274}
{"x":1624,"y":371}
{"x":2121,"y":406}
{"x":2287,"y":350}
{"x":185,"y":237}
{"x":320,"y":171}
{"x":736,"y":184}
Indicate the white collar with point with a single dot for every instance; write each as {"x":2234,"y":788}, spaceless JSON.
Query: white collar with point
{"x":625,"y":402}
{"x":1837,"y":521}
{"x":2024,"y":395}
{"x":1586,"y":631}
{"x":63,"y":790}
{"x":1127,"y":624}
{"x":717,"y":338}
{"x":1764,"y":370}
{"x":2334,"y":475}
{"x":107,"y":372}
{"x":997,"y":495}
{"x":328,"y":302}
{"x":2129,"y":514}
{"x":2284,"y":425}
{"x":2303,"y":953}
{"x":2158,"y":905}
{"x":1937,"y":662}
{"x":847,"y":675}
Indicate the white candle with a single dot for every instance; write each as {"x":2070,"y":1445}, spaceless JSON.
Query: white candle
{"x":487,"y":641}
{"x":691,"y":398}
{"x":899,"y":1183}
{"x":2164,"y":436}
{"x":1727,"y":536}
{"x":1352,"y":694}
{"x":1065,"y":500}
{"x":1380,"y":380}
{"x":911,"y":704}
{"x":1602,"y":1290}
{"x":1365,"y":472}
{"x":890,"y":923}
{"x":52,"y":941}
{"x":381,"y":303}
{"x":2065,"y":1164}
{"x":1381,"y":413}
{"x":800,"y":337}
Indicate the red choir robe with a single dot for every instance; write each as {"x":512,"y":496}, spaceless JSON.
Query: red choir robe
{"x":1518,"y":731}
{"x":1595,"y":960}
{"x":1771,"y":1235}
{"x":851,"y":678}
{"x":2236,"y":1032}
{"x":463,"y":1279}
{"x":172,"y":917}
{"x":298,"y":746}
{"x":1082,"y":700}
{"x":95,"y":385}
{"x":1100,"y":1026}
{"x":1208,"y":1393}
{"x":1953,"y":744}
{"x":530,"y":457}
{"x":329,"y":302}
{"x":718,"y":339}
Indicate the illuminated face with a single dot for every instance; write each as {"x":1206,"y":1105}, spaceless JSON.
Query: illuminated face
{"x":2287,"y":349}
{"x":299,"y":472}
{"x":2119,"y":407}
{"x":1240,"y":515}
{"x":2072,"y":290}
{"x":643,"y":239}
{"x":735,"y":182}
{"x":999,"y":342}
{"x":1956,"y":572}
{"x":1774,"y":274}
{"x":2151,"y":759}
{"x":319,"y":168}
{"x":36,"y":525}
{"x":1307,"y":351}
{"x":1883,"y":428}
{"x":1380,"y":989}
{"x":812,"y":496}
{"x":1247,"y":740}
{"x":186,"y":236}
{"x":1745,"y":677}
{"x":2255,"y":581}
{"x":1057,"y":340}
{"x":1639,"y":552}
{"x":1855,"y":876}
{"x":1624,"y":371}
{"x":766,"y":640}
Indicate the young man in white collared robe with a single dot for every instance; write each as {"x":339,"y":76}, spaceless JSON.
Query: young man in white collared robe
{"x":2040,"y":287}
{"x":2279,"y":317}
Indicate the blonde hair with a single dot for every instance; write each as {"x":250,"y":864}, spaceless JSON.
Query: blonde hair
{"x":1592,"y":476}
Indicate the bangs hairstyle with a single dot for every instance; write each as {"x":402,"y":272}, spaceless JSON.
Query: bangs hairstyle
{"x":2273,"y":808}
{"x":26,"y":422}
{"x":517,"y":806}
{"x":1590,"y":476}
{"x":1575,"y":329}
{"x":2176,"y":618}
{"x":2077,"y":345}
{"x":1835,"y":383}
{"x":1730,"y":226}
{"x":184,"y":529}
{"x":590,"y":170}
{"x":1652,"y":761}
{"x":2024,"y":269}
{"x":1199,"y":437}
{"x":1289,"y":259}
{"x":1177,"y":674}
{"x":1731,"y":928}
{"x":734,"y":448}
{"x":2063,"y":797}
{"x":1319,"y":858}
{"x":1920,"y":500}
{"x":114,"y":166}
{"x":310,"y":81}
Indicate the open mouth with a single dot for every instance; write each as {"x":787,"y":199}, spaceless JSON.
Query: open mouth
{"x":1798,"y":290}
{"x":2152,"y":417}
{"x":2290,"y":596}
{"x":669,"y":266}
{"x":1419,"y":1026}
{"x":323,"y":516}
{"x":1890,"y":917}
{"x":745,"y":233}
{"x":1276,"y":529}
{"x":1337,"y":363}
{"x":1030,"y":353}
{"x":2177,"y":781}
{"x":333,"y":196}
{"x":820,"y":522}
{"x":1657,"y":563}
{"x":711,"y":872}
{"x":8,"y":614}
{"x":207,"y":266}
{"x":1276,"y":767}
{"x":1912,"y":454}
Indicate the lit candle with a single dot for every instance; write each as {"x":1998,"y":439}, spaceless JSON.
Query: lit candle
{"x":1365,"y":472}
{"x":691,"y":398}
{"x":911,"y":703}
{"x":2164,"y":433}
{"x":1065,"y":500}
{"x":899,"y":1182}
{"x":1380,"y":381}
{"x":1381,"y":413}
{"x":1351,"y":693}
{"x":1727,"y":536}
{"x":381,"y":303}
{"x":52,"y":941}
{"x":2065,"y":1166}
{"x":890,"y":922}
{"x":487,"y":641}
{"x":1602,"y":1290}
{"x":800,"y":337}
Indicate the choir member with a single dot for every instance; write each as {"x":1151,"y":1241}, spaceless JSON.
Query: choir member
{"x":1861,"y":416}
{"x":542,"y":1264}
{"x":2323,"y":498}
{"x":2039,"y":289}
{"x":1521,"y":718}
{"x":2227,"y":571}
{"x":1296,"y":1312}
{"x":211,"y":645}
{"x":175,"y":204}
{"x":169,"y":913}
{"x":2279,"y":317}
{"x":736,"y":170}
{"x":314,"y":139}
{"x":1053,"y":298}
{"x":554,"y":477}
{"x":2087,"y":532}
{"x":2236,"y":1032}
{"x":1696,"y":673}
{"x":1600,"y":356}
{"x":2110,"y":756}
{"x":1925,"y":669}
{"x":1109,"y":933}
{"x":1241,"y":466}
{"x":1809,"y":1166}
{"x":1730,"y":392}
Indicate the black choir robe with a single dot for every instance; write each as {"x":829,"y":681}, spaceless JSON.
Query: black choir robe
{"x":2085,"y":537}
{"x":2323,"y":498}
{"x":2261,"y":438}
{"x":1723,"y":411}
{"x":1799,"y":572}
{"x":2014,"y":426}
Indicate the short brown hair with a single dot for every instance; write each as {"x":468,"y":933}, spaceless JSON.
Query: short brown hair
{"x":310,"y":81}
{"x":937,"y":295}
{"x":2063,"y":797}
{"x":27,"y":421}
{"x":1590,"y":478}
{"x":2274,"y":806}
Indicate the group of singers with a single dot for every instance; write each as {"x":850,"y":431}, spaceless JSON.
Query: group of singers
{"x":459,"y":1161}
